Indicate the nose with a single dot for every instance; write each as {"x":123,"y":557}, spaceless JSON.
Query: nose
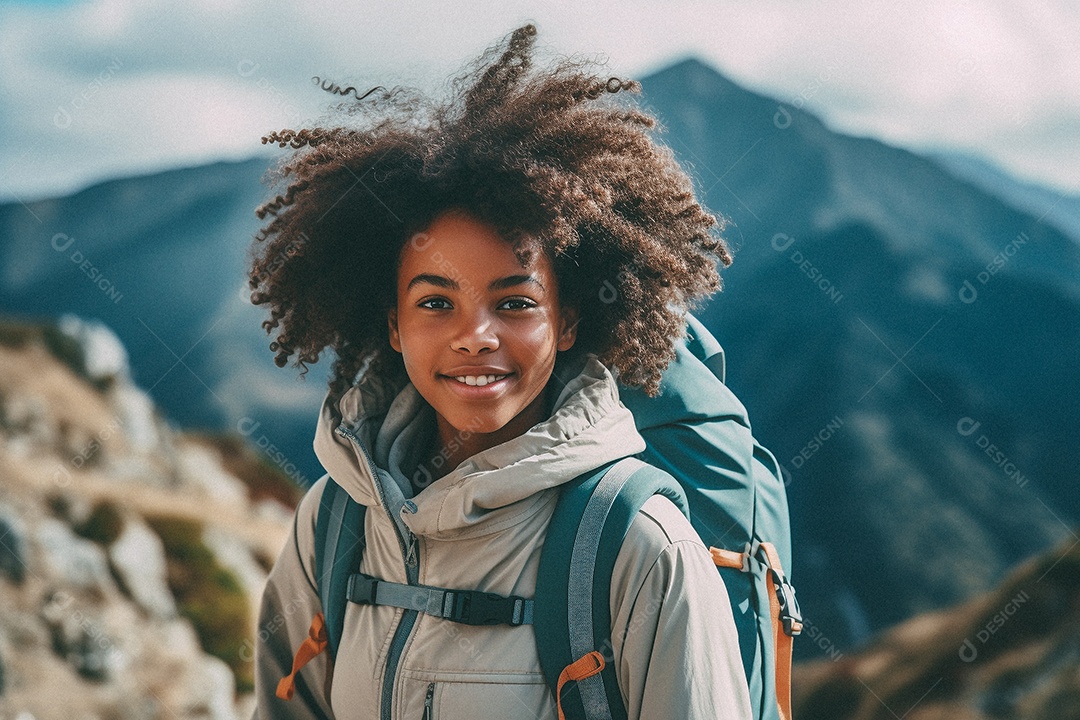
{"x":475,"y":333}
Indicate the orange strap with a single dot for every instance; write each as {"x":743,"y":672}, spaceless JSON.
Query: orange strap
{"x":584,"y":667}
{"x":313,"y":644}
{"x":727,"y":558}
{"x":781,"y":640}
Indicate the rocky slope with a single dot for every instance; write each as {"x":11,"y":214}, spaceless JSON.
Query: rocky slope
{"x":132,"y":556}
{"x":1012,"y":653}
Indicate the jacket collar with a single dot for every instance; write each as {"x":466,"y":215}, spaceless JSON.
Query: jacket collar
{"x":368,"y":441}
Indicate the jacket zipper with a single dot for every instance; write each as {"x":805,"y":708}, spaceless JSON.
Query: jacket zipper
{"x":411,"y":558}
{"x":428,"y":702}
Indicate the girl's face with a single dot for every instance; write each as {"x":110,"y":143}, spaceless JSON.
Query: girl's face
{"x":478,"y":332}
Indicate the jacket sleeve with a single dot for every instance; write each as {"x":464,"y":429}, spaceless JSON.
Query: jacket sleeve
{"x":676,"y":650}
{"x":289,"y":602}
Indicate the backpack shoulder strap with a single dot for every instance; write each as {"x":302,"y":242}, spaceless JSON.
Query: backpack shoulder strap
{"x":590,"y":521}
{"x":339,"y":545}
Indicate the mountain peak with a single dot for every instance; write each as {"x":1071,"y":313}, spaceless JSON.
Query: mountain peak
{"x":700,"y":80}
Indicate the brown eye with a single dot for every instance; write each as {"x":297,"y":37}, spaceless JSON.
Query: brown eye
{"x":445,"y":304}
{"x":518,"y":303}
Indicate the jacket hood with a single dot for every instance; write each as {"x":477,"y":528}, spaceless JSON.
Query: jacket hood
{"x":370,"y":442}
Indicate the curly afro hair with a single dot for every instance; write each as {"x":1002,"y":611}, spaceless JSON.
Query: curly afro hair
{"x":551,"y":159}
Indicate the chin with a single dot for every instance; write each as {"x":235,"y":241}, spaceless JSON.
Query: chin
{"x":471,"y":426}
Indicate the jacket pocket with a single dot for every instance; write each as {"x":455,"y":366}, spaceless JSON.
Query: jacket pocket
{"x":495,"y":698}
{"x":475,"y":696}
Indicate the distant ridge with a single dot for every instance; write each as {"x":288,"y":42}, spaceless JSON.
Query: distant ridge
{"x":1060,"y":209}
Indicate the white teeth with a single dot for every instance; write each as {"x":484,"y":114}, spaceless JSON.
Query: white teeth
{"x":478,"y":380}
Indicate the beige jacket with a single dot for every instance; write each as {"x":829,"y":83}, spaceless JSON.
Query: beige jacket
{"x":482,"y":527}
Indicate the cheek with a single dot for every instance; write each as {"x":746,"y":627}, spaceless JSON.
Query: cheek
{"x":413,"y":354}
{"x":539,"y":341}
{"x":414,"y":346}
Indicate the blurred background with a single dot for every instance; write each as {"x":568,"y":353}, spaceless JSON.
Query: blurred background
{"x":902,"y":321}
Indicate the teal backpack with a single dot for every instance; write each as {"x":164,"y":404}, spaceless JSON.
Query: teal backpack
{"x":701,"y":454}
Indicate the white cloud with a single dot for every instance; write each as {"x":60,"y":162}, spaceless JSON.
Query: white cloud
{"x":152,"y":84}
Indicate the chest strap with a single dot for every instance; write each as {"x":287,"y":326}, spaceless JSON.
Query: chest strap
{"x":469,"y":607}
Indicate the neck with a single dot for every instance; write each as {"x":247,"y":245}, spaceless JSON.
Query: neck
{"x":454,"y":446}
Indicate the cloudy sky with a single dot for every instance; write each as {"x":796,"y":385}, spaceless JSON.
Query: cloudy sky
{"x":96,"y":89}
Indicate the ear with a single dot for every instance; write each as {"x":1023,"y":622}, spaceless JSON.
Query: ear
{"x":568,"y":329}
{"x":391,"y":322}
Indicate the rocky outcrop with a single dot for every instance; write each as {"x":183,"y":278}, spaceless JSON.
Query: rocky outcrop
{"x":110,"y":523}
{"x":1012,"y":653}
{"x":138,"y":558}
{"x":69,"y":561}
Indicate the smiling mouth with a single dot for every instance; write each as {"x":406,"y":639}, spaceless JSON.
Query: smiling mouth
{"x":479,"y":380}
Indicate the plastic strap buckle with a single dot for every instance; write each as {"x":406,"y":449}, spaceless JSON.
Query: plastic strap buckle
{"x":473,"y":607}
{"x":362,"y":589}
{"x":790,"y":613}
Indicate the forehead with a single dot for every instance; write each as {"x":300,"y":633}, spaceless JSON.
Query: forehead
{"x":464,"y":245}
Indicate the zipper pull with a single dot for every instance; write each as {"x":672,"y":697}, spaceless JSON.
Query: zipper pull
{"x":410,"y":557}
{"x":428,"y":701}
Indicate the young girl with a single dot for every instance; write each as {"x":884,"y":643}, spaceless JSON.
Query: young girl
{"x":484,"y":270}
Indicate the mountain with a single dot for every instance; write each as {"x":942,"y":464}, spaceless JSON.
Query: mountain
{"x":1010,"y":653}
{"x":1060,"y":209}
{"x":905,"y":341}
{"x":132,"y":556}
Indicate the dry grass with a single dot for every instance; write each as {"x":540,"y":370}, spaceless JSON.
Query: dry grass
{"x":208,"y":595}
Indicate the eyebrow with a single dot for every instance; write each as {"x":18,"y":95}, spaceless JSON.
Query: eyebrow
{"x":499,"y":284}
